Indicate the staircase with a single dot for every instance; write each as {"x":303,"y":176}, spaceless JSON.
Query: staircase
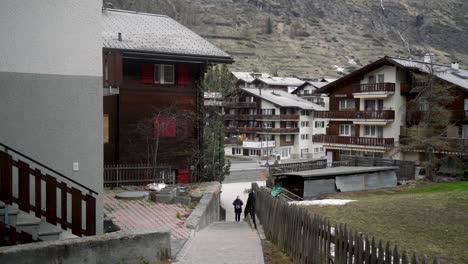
{"x":41,"y":206}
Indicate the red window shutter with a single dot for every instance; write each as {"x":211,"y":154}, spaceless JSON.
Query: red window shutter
{"x":147,"y":73}
{"x":166,"y":126}
{"x":183,"y":74}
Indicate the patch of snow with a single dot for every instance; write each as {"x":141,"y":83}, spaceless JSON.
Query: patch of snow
{"x":351,"y":60}
{"x":323,"y":202}
{"x":339,"y":69}
{"x":155,"y":186}
{"x":381,"y":5}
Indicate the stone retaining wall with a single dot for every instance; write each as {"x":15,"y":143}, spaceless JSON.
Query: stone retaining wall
{"x":207,"y":210}
{"x":110,"y":248}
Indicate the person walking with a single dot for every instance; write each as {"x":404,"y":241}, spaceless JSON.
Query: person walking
{"x":237,"y":208}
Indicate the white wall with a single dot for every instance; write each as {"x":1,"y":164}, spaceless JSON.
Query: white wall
{"x":51,"y":86}
{"x":51,"y":37}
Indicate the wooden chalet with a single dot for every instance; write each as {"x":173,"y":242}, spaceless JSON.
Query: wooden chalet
{"x":151,"y":63}
{"x":370,"y":108}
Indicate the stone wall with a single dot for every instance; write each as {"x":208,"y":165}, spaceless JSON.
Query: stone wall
{"x":207,"y":210}
{"x":110,"y":248}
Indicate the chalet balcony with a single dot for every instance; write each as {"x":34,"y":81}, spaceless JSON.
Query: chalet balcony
{"x":252,"y":130}
{"x":417,"y":116}
{"x":359,"y":115}
{"x":374,"y":87}
{"x":363,"y":141}
{"x":239,"y":105}
{"x":263,"y":117}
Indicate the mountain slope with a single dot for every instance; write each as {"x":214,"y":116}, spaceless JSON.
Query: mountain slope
{"x":315,"y":37}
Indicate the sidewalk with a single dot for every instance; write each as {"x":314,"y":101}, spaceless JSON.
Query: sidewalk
{"x":224,"y":243}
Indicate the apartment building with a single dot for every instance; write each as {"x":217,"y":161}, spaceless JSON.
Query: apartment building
{"x":368,"y":108}
{"x":308,"y":92}
{"x":272,"y":123}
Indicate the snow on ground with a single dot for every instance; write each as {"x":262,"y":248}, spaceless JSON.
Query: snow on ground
{"x":323,"y":202}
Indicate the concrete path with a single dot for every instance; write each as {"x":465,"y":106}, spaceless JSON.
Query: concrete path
{"x":223,"y":243}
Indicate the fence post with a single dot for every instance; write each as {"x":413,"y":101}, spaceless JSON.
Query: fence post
{"x":117,"y":174}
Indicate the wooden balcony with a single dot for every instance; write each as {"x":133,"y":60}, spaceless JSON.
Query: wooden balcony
{"x":459,"y":115}
{"x":263,"y":117}
{"x":251,"y":130}
{"x":374,"y":87}
{"x":240,"y":105}
{"x":380,"y":115}
{"x":363,"y":141}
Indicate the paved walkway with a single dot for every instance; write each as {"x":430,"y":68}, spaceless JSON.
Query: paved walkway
{"x":224,"y":243}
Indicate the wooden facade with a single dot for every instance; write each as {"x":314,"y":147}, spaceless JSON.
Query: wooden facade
{"x":139,"y":101}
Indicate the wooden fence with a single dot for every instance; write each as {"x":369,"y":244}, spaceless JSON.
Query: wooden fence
{"x":310,"y":238}
{"x":118,"y":175}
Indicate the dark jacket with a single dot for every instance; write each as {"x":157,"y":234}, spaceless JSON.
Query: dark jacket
{"x":238,"y":205}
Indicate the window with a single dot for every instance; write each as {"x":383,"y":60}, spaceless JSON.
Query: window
{"x":304,"y":112}
{"x":159,"y":73}
{"x":268,"y":124}
{"x":347,"y":130}
{"x":288,"y":138}
{"x":348,"y":104}
{"x":371,"y":79}
{"x":306,"y":92}
{"x":316,"y":150}
{"x":374,"y":105}
{"x":423,"y":105}
{"x":319,"y":124}
{"x":164,"y":127}
{"x":267,"y":111}
{"x":236,"y":151}
{"x":304,"y":152}
{"x":380,"y":78}
{"x":466,"y":106}
{"x":373,"y":131}
{"x":285,"y":152}
{"x":106,"y":128}
{"x":304,"y":123}
{"x":304,"y":136}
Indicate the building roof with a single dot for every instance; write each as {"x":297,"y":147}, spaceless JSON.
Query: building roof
{"x":283,"y":99}
{"x":248,"y":77}
{"x":157,"y":34}
{"x":444,"y":72}
{"x":335,"y":171}
{"x":280,"y":81}
{"x":316,"y":85}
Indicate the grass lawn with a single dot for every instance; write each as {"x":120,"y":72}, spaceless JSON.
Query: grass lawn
{"x":427,"y":218}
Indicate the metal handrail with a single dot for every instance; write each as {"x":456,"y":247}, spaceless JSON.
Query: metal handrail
{"x":7,"y":148}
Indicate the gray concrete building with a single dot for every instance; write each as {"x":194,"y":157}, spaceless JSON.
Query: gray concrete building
{"x":51,"y":87}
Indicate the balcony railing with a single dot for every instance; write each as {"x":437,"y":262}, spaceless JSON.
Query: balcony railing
{"x":262,"y":117}
{"x":374,"y":87}
{"x":364,"y":141}
{"x":381,"y":114}
{"x":240,"y":105}
{"x":459,"y":115}
{"x":249,"y":130}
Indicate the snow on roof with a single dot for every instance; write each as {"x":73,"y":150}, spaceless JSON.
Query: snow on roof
{"x":250,"y":75}
{"x":445,"y":72}
{"x":281,"y":81}
{"x":154,"y":33}
{"x":283,"y":99}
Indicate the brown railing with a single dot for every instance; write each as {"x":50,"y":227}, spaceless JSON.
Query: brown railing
{"x":28,"y":178}
{"x":261,"y":130}
{"x":382,"y":114}
{"x":459,"y":115}
{"x":374,"y":87}
{"x":365,"y":141}
{"x":261,"y":117}
{"x":239,"y":105}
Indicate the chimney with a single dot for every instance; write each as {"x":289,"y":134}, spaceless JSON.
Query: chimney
{"x":120,"y":37}
{"x":455,"y":65}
